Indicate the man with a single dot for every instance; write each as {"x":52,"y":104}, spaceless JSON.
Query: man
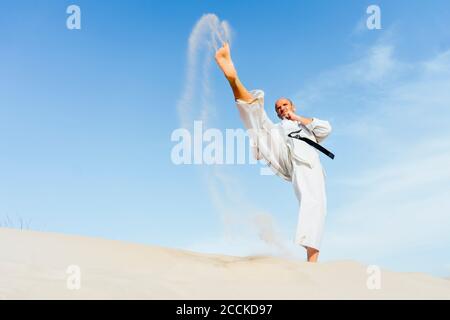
{"x":292,"y":159}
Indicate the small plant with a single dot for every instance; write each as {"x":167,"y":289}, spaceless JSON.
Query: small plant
{"x":17,"y":223}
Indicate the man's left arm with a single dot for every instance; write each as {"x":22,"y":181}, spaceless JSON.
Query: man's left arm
{"x":320,"y":128}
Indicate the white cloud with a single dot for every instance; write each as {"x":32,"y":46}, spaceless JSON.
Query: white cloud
{"x":361,"y":26}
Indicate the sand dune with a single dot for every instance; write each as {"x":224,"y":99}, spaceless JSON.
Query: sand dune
{"x":33,"y":265}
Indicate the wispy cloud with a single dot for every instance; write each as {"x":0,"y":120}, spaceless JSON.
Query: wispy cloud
{"x":361,"y":26}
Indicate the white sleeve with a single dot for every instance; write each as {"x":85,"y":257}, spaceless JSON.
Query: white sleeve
{"x":320,"y":128}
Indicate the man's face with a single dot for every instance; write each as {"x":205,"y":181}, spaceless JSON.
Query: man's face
{"x":283,"y":107}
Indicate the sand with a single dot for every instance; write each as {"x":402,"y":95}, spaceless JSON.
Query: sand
{"x":34,"y":265}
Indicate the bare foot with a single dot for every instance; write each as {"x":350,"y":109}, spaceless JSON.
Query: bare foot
{"x":313,"y":254}
{"x":223,"y":59}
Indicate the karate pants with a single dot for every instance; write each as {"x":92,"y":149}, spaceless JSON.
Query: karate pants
{"x":308,"y":181}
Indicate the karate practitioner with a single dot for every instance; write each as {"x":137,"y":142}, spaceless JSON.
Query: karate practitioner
{"x":292,"y":159}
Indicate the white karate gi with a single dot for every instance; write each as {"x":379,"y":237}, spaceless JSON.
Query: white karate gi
{"x":293,"y":160}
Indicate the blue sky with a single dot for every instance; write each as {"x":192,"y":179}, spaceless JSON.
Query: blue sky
{"x":86,"y":118}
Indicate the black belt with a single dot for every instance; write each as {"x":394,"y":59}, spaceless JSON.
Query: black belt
{"x":311,"y":143}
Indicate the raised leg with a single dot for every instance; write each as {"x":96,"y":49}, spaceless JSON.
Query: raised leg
{"x":223,"y":59}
